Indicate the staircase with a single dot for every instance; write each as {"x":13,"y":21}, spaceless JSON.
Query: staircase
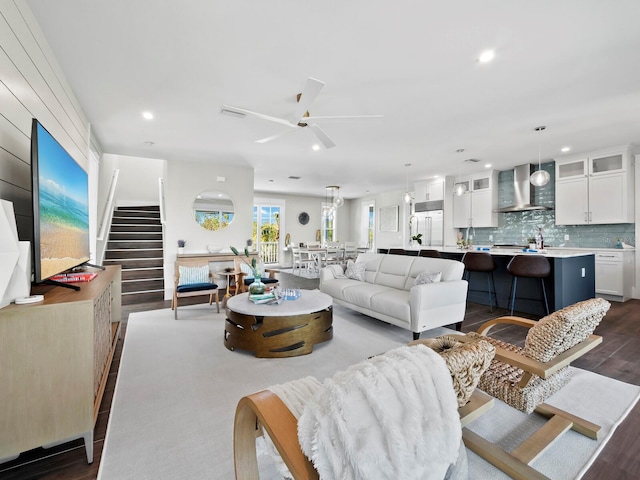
{"x":135,"y":243}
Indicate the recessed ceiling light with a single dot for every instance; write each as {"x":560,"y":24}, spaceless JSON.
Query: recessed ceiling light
{"x":486,"y":56}
{"x":460,"y":150}
{"x":147,"y":115}
{"x":487,"y":165}
{"x":315,"y":147}
{"x":271,"y":181}
{"x":565,"y":149}
{"x":149,"y":144}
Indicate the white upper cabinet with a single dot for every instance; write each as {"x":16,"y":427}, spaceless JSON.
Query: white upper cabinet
{"x":595,"y":189}
{"x":476,"y":207}
{"x":429,"y":190}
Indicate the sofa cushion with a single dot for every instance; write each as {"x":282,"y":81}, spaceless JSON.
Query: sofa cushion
{"x":337,"y":287}
{"x":392,"y":302}
{"x":361,"y":293}
{"x":372,"y":262}
{"x":427,"y":277}
{"x":394,"y":270}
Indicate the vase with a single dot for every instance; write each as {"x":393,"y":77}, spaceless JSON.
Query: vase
{"x":257,"y":287}
{"x":180,"y":250}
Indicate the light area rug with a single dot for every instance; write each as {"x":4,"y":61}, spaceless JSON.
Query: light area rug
{"x":178,"y":386}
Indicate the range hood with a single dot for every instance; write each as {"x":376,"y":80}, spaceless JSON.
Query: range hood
{"x":524,"y":193}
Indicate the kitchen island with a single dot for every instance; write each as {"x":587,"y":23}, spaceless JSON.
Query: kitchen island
{"x":572,"y":278}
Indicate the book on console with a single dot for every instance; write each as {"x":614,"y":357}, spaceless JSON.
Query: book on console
{"x":74,"y":277}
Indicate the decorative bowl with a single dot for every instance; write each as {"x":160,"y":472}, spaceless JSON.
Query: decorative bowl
{"x":214,"y":248}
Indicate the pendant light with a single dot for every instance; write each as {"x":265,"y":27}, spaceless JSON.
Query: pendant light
{"x":407,"y":194}
{"x":539,"y":177}
{"x":331,"y":203}
{"x":459,"y":188}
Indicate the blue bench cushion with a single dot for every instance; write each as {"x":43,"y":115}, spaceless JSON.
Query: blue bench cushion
{"x":249,"y":281}
{"x":194,"y":287}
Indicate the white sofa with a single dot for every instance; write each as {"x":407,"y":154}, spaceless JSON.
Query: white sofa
{"x":388,"y":292}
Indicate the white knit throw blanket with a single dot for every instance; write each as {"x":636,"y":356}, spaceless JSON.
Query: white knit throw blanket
{"x":389,"y":417}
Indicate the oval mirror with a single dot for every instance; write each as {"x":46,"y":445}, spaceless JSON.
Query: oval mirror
{"x":213,"y":210}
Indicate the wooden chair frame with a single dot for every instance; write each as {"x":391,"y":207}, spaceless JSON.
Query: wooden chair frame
{"x":517,"y":462}
{"x":264,"y":411}
{"x":213,"y":292}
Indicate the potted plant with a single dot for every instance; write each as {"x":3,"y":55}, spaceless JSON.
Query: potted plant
{"x":181,"y":244}
{"x":417,"y":238}
{"x":532,"y":242}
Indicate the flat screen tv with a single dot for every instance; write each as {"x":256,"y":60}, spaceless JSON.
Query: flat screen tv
{"x":60,"y":189}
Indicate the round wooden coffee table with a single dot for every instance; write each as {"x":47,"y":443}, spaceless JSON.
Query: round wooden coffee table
{"x":289,"y":329}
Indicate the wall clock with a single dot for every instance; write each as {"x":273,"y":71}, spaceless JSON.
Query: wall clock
{"x":303,"y":218}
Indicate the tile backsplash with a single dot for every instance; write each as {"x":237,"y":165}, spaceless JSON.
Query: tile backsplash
{"x":518,"y":226}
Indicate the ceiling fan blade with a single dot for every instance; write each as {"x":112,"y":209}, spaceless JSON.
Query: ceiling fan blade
{"x":309,"y":93}
{"x":259,"y":115}
{"x":343,"y":117}
{"x":273,"y":137}
{"x":323,"y":137}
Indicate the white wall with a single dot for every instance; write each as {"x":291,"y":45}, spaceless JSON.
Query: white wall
{"x":32,"y":85}
{"x":296,"y":204}
{"x":138,"y":179}
{"x":397,"y":239}
{"x":183,"y":181}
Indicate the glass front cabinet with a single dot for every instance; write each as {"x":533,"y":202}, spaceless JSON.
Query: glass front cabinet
{"x":596,"y":188}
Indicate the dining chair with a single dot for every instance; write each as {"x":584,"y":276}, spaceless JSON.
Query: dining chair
{"x":301,"y":259}
{"x":350,"y":250}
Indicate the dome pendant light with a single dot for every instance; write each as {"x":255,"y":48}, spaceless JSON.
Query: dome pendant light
{"x":539,"y":177}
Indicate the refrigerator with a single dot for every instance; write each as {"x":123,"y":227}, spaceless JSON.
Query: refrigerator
{"x":429,"y":222}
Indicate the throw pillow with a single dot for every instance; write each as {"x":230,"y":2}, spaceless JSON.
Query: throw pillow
{"x":191,"y":275}
{"x":427,"y":277}
{"x":355,"y":271}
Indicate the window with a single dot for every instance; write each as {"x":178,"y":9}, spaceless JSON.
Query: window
{"x":266,"y":221}
{"x":329,"y":223}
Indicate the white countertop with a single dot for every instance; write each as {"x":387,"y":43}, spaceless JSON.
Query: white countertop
{"x":553,"y":252}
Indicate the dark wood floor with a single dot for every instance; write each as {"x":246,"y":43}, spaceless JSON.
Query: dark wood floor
{"x":618,"y":357}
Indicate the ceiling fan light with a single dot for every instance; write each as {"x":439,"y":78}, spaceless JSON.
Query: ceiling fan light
{"x":539,"y":178}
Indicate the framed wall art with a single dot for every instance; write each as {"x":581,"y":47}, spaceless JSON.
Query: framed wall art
{"x":389,"y":219}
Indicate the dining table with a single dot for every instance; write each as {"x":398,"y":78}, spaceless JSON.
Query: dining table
{"x":322,"y":256}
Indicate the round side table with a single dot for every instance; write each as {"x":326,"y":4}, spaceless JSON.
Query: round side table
{"x":228,"y":295}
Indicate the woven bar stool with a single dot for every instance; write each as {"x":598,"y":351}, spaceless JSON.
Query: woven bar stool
{"x":429,"y":253}
{"x":529,"y":266}
{"x":482,"y":262}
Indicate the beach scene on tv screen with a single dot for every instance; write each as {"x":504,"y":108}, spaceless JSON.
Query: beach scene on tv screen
{"x":64,"y":208}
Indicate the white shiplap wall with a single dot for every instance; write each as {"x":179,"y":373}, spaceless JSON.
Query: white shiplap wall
{"x":32,"y":85}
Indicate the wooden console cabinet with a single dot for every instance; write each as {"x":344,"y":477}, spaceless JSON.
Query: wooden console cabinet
{"x":54,"y":362}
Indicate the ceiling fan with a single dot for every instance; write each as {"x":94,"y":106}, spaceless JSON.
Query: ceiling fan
{"x":301,"y":117}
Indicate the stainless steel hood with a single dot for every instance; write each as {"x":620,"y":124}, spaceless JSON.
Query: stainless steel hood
{"x":524,"y":193}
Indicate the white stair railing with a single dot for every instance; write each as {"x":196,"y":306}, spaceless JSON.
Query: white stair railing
{"x":105,"y":220}
{"x":107,"y":213}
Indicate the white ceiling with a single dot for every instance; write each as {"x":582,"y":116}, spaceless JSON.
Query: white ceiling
{"x":572,"y":65}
